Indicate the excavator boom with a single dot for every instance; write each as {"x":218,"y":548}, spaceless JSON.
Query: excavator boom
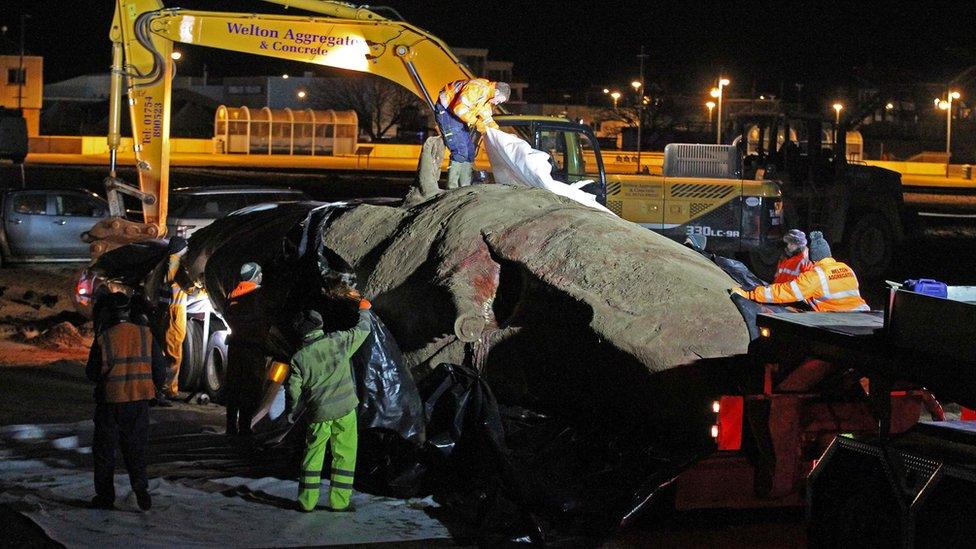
{"x":341,"y":36}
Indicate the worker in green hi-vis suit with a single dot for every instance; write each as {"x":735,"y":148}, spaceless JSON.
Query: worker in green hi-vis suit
{"x":322,"y":376}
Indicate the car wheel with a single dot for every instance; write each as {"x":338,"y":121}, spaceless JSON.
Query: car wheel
{"x":192,"y":366}
{"x":869,"y":246}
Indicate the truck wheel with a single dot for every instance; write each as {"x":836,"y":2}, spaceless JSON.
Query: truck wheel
{"x":215,"y":370}
{"x":870,"y":246}
{"x":192,"y":366}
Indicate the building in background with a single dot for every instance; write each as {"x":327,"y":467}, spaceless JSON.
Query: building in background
{"x":21,"y":87}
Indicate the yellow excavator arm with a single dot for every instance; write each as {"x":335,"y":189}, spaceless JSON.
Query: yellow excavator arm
{"x":339,"y":35}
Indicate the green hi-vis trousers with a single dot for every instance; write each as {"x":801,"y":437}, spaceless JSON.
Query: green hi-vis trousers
{"x":344,"y":437}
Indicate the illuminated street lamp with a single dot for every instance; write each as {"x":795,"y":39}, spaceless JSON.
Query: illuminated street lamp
{"x":302,"y":94}
{"x":711,"y":106}
{"x":837,"y":108}
{"x":176,"y":55}
{"x":946,"y":105}
{"x":637,"y":86}
{"x":718,"y":93}
{"x":615,"y":95}
{"x":284,"y":76}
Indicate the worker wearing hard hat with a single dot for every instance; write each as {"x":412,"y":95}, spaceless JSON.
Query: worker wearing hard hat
{"x":462,"y":108}
{"x":248,"y":325}
{"x":321,"y":377}
{"x":171,"y":298}
{"x":830,"y":286}
{"x":795,"y":260}
{"x":128,"y":366}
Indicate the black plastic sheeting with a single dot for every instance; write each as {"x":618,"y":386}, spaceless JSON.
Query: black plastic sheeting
{"x":388,"y":397}
{"x":744,"y":277}
{"x":132,"y":263}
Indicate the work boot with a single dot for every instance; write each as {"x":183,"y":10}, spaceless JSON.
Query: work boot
{"x":144,"y":500}
{"x":161,"y":401}
{"x":347,"y":509}
{"x":466,"y":175}
{"x":455,"y":173}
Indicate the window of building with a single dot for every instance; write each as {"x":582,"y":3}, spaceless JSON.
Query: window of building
{"x":16,"y":76}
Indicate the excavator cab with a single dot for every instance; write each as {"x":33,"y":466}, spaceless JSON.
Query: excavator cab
{"x":572,"y":147}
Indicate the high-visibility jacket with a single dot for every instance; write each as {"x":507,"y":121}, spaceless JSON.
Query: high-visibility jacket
{"x":243,"y":287}
{"x":789,"y":268}
{"x":469,"y":101}
{"x":126,"y":370}
{"x":173,"y":297}
{"x":322,"y":374}
{"x":829,"y":287}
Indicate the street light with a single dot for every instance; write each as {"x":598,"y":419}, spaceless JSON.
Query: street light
{"x":176,"y":55}
{"x":711,"y":106}
{"x":284,"y":76}
{"x":946,"y":105}
{"x":302,"y":94}
{"x":615,"y":95}
{"x":637,"y":85}
{"x":718,"y":93}
{"x":837,"y":108}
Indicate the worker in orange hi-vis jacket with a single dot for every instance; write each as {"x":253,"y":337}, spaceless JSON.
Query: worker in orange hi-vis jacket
{"x":831,"y":286}
{"x":795,"y":260}
{"x":463,"y":107}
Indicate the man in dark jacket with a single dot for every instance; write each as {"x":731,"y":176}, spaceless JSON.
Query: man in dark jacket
{"x":321,"y":376}
{"x":128,"y":367}
{"x":245,"y":352}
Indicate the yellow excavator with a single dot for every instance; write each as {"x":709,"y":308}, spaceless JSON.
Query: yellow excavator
{"x":737,"y":215}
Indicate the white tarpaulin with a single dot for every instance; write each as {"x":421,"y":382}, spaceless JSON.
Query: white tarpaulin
{"x":515,"y":162}
{"x":45,"y":474}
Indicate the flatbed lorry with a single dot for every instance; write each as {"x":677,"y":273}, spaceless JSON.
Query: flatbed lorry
{"x":822,"y":381}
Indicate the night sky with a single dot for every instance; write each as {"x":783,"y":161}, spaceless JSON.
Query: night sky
{"x":762,"y":46}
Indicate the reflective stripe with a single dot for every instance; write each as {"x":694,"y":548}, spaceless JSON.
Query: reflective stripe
{"x":794,"y":272}
{"x":144,"y":344}
{"x":312,"y":473}
{"x":797,"y":292}
{"x":863,"y":307}
{"x":846,"y":293}
{"x":130,"y":360}
{"x":127,"y":377}
{"x":768,"y":293}
{"x":343,"y":472}
{"x":302,"y":485}
{"x":823,"y":282}
{"x":341,"y":485}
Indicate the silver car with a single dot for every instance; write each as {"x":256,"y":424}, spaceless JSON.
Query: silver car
{"x":46,"y":225}
{"x":193,"y":208}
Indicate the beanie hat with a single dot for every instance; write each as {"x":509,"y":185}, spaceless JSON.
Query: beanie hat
{"x":308,"y":321}
{"x":819,"y":248}
{"x":795,"y":241}
{"x":250,"y":271}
